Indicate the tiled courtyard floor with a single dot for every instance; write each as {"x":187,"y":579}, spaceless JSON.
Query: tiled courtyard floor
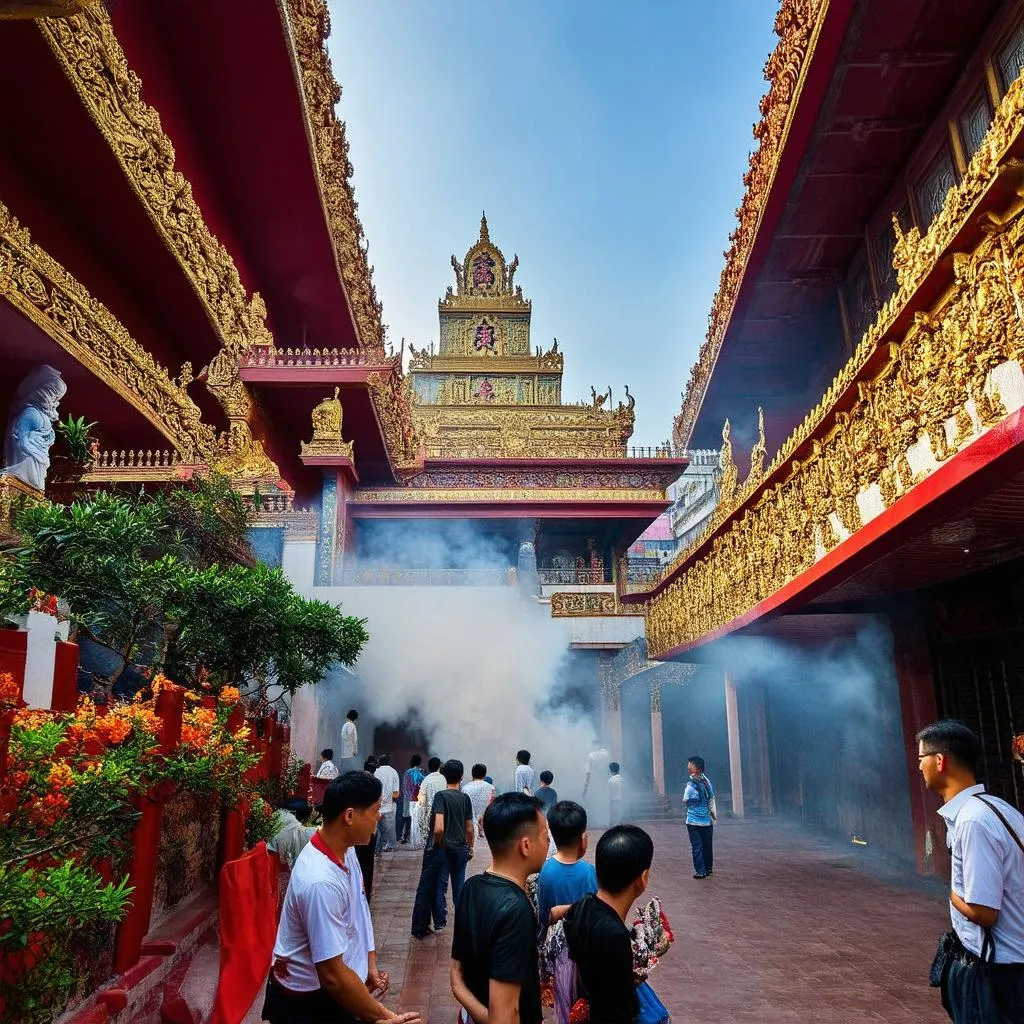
{"x":790,"y":929}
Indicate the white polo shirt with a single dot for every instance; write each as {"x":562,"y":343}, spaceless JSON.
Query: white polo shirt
{"x":325,"y":915}
{"x":988,"y":868}
{"x":391,"y":784}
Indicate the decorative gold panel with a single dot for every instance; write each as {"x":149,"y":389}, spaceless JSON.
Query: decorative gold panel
{"x":501,"y":495}
{"x":36,"y":284}
{"x":577,"y":604}
{"x":307,"y":27}
{"x":92,"y":58}
{"x":929,"y":390}
{"x":327,"y":436}
{"x":797,"y":25}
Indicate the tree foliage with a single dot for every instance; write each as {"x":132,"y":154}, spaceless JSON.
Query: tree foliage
{"x":168,"y":581}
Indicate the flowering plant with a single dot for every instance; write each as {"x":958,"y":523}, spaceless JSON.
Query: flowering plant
{"x":38,"y":601}
{"x":1018,"y":747}
{"x":263,"y":822}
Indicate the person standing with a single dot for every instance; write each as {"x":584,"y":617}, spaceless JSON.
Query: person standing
{"x":494,"y":970}
{"x":700,"y":826}
{"x":325,"y":963}
{"x":350,"y":743}
{"x":565,"y":878}
{"x":615,"y":793}
{"x":595,"y":927}
{"x":449,"y":844}
{"x":411,"y":779}
{"x":985,"y":836}
{"x":366,"y":852}
{"x":390,"y":795}
{"x":595,"y":784}
{"x":546,"y":794}
{"x":327,"y":769}
{"x":480,"y":793}
{"x":525,"y":777}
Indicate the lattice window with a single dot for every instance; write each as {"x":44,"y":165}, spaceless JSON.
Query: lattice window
{"x":884,"y":244}
{"x":859,"y":299}
{"x":1011,"y":57}
{"x":974,"y":122}
{"x":932,"y":190}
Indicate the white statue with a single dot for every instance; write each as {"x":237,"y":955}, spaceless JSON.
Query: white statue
{"x":30,"y":432}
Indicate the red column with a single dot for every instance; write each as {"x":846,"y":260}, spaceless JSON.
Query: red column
{"x":146,"y":841}
{"x":65,"y":678}
{"x":13,"y":651}
{"x":918,"y":709}
{"x":232,"y":837}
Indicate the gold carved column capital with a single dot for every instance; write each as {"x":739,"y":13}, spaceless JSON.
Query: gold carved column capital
{"x":327,"y":433}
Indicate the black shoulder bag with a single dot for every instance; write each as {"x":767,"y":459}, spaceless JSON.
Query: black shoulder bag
{"x":950,"y":947}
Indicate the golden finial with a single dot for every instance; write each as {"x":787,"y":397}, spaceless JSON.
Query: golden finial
{"x":484,"y":236}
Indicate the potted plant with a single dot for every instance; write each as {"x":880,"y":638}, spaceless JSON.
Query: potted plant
{"x":74,"y":454}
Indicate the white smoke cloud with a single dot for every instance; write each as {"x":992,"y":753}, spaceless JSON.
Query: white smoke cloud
{"x":477,"y":668}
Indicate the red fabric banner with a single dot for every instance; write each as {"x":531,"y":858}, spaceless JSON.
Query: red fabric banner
{"x":248,"y":927}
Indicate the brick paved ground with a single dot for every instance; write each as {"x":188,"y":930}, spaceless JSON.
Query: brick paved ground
{"x":790,"y":929}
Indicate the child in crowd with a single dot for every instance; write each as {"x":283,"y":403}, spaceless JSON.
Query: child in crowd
{"x":615,"y":793}
{"x":546,"y":794}
{"x":564,"y":879}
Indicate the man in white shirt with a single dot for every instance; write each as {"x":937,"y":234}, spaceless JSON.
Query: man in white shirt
{"x":596,"y":784}
{"x":350,"y":743}
{"x":985,"y":836}
{"x":328,"y":769}
{"x":325,"y":963}
{"x":480,"y":793}
{"x":390,"y":794}
{"x":525,"y":777}
{"x":294,"y":833}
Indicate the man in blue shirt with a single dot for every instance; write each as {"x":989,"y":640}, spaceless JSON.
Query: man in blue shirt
{"x":699,"y":823}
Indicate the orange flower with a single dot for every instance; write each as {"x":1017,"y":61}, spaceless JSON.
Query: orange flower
{"x":229,"y":695}
{"x":60,"y":775}
{"x":10,"y":692}
{"x":113,"y":729}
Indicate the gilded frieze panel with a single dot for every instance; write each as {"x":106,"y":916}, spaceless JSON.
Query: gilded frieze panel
{"x":953,"y":373}
{"x":37,"y":285}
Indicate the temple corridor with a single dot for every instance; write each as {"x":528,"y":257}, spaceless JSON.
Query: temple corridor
{"x":791,"y":928}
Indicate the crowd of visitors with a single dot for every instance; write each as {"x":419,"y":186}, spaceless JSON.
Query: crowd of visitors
{"x":541,"y":925}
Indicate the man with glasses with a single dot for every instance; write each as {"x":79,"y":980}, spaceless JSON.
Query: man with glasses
{"x":980,"y":964}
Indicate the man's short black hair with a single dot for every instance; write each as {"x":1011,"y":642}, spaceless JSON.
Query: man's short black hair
{"x":297,"y":806}
{"x":547,"y":778}
{"x":352,"y":715}
{"x":697,"y":761}
{"x":567,"y":821}
{"x":507,"y":818}
{"x":624,"y":853}
{"x":434,"y":763}
{"x":453,"y":771}
{"x":383,"y":759}
{"x":523,"y":757}
{"x":951,"y":737}
{"x":327,"y":754}
{"x":350,"y":789}
{"x":415,"y":761}
{"x":370,"y":764}
{"x":478,"y":771}
{"x":613,"y":767}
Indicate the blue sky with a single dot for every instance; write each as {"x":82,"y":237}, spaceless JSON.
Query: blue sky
{"x":607,"y":142}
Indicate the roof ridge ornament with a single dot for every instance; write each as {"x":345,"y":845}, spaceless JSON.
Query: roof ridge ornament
{"x":484,"y":234}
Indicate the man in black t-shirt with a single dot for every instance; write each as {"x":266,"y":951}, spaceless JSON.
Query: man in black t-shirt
{"x":449,"y":845}
{"x":595,"y":926}
{"x":494,"y":951}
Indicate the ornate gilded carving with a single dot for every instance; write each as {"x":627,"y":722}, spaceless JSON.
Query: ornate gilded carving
{"x":390,"y":394}
{"x":35,"y":283}
{"x":797,"y":25}
{"x":504,"y":495}
{"x":934,"y":392}
{"x":308,"y":25}
{"x":727,"y":465}
{"x":14,"y":10}
{"x":14,"y":493}
{"x":92,"y":58}
{"x":757,"y":454}
{"x":327,"y":436}
{"x":238,"y":454}
{"x":579,"y":604}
